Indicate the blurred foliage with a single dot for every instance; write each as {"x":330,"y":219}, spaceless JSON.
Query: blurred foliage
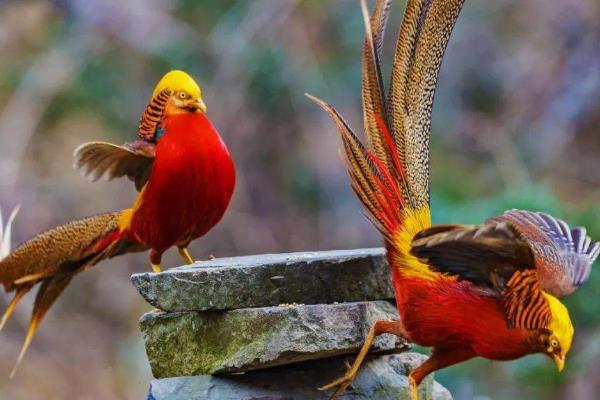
{"x":514,"y":126}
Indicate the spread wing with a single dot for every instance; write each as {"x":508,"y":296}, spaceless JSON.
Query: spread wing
{"x":563,"y":255}
{"x":487,"y":255}
{"x":493,"y":256}
{"x":519,"y":255}
{"x":106,"y":160}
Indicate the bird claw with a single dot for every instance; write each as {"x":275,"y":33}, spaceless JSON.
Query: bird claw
{"x":342,"y":383}
{"x":413,"y":389}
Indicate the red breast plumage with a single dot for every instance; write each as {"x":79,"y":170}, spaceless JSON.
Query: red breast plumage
{"x":190,"y":186}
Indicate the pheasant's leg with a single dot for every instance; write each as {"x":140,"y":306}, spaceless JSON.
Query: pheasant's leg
{"x":185,"y":254}
{"x":379,"y":327}
{"x":20,"y":292}
{"x":440,"y":358}
{"x":155,"y":259}
{"x":50,"y":289}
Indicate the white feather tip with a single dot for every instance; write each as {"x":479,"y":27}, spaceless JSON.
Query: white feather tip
{"x":5,"y":232}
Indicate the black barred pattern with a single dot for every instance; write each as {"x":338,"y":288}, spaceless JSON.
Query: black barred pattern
{"x":152,"y":115}
{"x":525,"y":305}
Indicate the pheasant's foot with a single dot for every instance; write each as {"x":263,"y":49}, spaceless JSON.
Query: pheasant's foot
{"x":341,"y":383}
{"x":185,"y":254}
{"x":156,"y":268}
{"x":413,"y":389}
{"x":377,"y":328}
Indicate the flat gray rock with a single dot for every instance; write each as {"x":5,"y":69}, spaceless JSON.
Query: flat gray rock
{"x":194,"y":343}
{"x":270,"y":280}
{"x":380,"y":378}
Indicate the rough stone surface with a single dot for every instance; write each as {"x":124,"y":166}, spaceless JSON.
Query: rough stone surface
{"x":193,"y":343}
{"x":270,"y":280}
{"x":380,"y":378}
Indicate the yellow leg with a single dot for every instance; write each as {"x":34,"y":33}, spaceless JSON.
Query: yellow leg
{"x":413,"y":389}
{"x":155,"y":260}
{"x":440,"y":358}
{"x":185,"y":254}
{"x":379,"y":327}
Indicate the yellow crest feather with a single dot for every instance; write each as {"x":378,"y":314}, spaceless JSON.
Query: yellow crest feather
{"x":178,"y":81}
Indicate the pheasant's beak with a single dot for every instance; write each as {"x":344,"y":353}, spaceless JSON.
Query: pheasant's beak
{"x":199,"y":105}
{"x":559,"y":360}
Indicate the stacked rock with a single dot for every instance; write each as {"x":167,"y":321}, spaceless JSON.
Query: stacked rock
{"x":274,"y":327}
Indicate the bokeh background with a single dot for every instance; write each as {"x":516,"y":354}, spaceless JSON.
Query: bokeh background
{"x":515,"y":125}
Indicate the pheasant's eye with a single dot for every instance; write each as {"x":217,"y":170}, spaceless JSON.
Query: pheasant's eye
{"x":183,"y":95}
{"x":554,"y":343}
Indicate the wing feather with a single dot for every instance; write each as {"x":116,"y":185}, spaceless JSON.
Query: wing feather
{"x":105,"y":160}
{"x":493,"y":256}
{"x":563,"y":256}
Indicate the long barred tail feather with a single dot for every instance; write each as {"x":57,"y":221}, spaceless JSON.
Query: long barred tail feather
{"x":373,"y":93}
{"x":368,"y":177}
{"x":54,"y":257}
{"x":390,"y":172}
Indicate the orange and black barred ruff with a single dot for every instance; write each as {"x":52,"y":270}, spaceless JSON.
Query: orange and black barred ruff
{"x":152,"y":115}
{"x":525,"y":304}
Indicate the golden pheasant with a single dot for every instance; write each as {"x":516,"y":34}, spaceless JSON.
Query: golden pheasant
{"x":510,"y":271}
{"x":186,"y":178}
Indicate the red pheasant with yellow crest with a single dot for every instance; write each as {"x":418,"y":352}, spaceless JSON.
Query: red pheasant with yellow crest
{"x":490,"y":290}
{"x":185,"y":175}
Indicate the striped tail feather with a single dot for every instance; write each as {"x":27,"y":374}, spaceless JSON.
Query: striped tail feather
{"x":375,"y":185}
{"x":427,"y":26}
{"x":54,"y":257}
{"x":390,"y":172}
{"x":373,"y":97}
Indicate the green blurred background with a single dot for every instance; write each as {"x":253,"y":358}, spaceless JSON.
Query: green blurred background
{"x":514,"y":126}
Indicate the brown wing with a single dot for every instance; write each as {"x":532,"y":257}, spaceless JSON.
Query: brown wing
{"x":106,"y":160}
{"x":563,"y":255}
{"x":493,"y":255}
{"x":486,"y":255}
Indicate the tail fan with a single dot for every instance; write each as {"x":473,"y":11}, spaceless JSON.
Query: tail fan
{"x":54,"y":257}
{"x":390,"y":172}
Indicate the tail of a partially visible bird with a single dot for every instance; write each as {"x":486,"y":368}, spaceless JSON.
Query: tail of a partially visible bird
{"x":6,"y":232}
{"x":52,"y":259}
{"x":390,"y":172}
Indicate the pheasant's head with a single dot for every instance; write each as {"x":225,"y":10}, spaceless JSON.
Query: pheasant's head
{"x":175,"y":93}
{"x":181,"y":92}
{"x":556,"y":341}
